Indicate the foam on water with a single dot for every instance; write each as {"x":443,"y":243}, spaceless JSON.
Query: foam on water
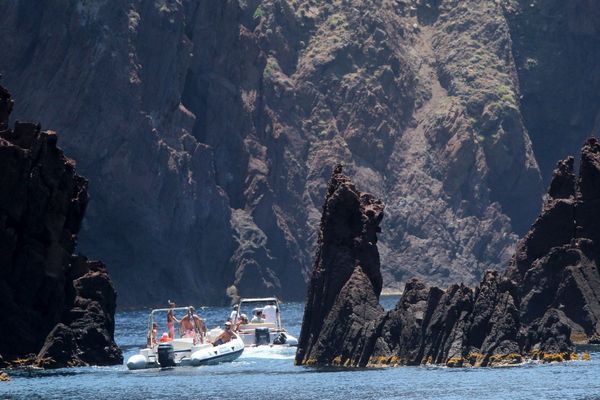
{"x":273,"y":353}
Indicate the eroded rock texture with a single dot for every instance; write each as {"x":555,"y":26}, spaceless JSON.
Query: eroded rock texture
{"x":51,"y":299}
{"x":548,"y":299}
{"x":209,"y":129}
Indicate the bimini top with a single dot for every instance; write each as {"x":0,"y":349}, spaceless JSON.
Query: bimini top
{"x":258,"y":299}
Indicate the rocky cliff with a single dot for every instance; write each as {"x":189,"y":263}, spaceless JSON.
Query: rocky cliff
{"x":209,"y":128}
{"x":548,"y":298}
{"x":55,"y":304}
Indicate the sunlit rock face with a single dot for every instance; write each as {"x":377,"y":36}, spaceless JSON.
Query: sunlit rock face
{"x":55,"y":303}
{"x":209,"y":129}
{"x":547,"y":300}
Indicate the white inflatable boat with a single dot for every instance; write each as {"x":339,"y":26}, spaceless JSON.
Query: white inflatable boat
{"x":270,"y":331}
{"x":185,"y":351}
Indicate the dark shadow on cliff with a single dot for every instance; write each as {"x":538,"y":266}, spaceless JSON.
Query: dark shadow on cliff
{"x":548,"y":298}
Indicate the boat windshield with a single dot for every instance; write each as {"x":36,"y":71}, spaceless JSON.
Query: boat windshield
{"x":269,"y":308}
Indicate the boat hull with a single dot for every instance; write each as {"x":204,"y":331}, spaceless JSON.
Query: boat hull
{"x":194,"y":356}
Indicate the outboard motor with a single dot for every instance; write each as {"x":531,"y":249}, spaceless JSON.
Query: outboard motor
{"x":281,"y":339}
{"x":262,"y":336}
{"x":166,"y":355}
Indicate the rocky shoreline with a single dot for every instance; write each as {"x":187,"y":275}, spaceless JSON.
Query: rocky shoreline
{"x":546,"y":301}
{"x":57,"y":306}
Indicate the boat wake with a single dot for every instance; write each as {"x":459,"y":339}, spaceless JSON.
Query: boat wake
{"x":274,"y":353}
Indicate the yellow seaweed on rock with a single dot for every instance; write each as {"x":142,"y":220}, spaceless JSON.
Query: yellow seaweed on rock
{"x":474,"y":359}
{"x":455,"y":362}
{"x":499,"y":360}
{"x":381,"y":361}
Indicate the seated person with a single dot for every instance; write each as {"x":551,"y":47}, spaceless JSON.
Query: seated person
{"x":165,"y":338}
{"x":224,"y":337}
{"x":258,"y":318}
{"x":242,"y":320}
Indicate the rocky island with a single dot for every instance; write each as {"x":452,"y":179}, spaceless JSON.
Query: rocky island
{"x":57,"y":306}
{"x":547,"y":300}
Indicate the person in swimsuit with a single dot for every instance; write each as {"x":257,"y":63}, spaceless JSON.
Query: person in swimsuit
{"x":152,"y":335}
{"x":224,"y":337}
{"x":192,"y":326}
{"x":242,"y":320}
{"x":171,"y":320}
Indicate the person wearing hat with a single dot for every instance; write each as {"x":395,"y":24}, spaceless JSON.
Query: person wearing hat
{"x":242,"y":320}
{"x":226,"y":336}
{"x":233,"y":315}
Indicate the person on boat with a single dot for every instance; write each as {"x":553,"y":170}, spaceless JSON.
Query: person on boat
{"x":192,"y":325}
{"x":165,"y":338}
{"x":233,"y":315}
{"x":226,"y":336}
{"x":242,"y":320}
{"x":258,"y":317}
{"x":270,"y":313}
{"x":152,"y":335}
{"x":171,"y":320}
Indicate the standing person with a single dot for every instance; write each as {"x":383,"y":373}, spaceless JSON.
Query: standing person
{"x":234,"y":313}
{"x":171,"y":320}
{"x":270,"y":313}
{"x":192,"y":325}
{"x":152,"y":335}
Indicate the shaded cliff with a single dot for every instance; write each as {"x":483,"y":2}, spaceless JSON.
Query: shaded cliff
{"x":209,"y":128}
{"x":548,"y":298}
{"x":55,"y":304}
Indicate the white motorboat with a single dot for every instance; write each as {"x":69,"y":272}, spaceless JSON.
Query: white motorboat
{"x":269,"y":332}
{"x":190,"y":351}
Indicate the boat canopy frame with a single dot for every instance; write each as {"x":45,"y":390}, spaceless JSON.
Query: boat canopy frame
{"x":158,"y":310}
{"x":279,"y":325}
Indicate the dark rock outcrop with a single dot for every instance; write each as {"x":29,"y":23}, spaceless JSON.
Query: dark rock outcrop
{"x":55,"y":304}
{"x":547,"y":300}
{"x":346,"y":282}
{"x":209,"y":128}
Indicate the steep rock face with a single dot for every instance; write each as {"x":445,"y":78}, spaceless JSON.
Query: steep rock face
{"x":557,"y":54}
{"x":547,"y":299}
{"x":45,"y":288}
{"x":346,"y":280}
{"x":209,"y":128}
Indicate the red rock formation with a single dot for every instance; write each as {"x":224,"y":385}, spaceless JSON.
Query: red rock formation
{"x":51,"y":299}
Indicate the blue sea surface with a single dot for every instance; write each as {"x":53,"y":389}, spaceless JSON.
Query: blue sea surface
{"x":270,"y":374}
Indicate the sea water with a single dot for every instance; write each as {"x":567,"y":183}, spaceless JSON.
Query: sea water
{"x":269,"y":373}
